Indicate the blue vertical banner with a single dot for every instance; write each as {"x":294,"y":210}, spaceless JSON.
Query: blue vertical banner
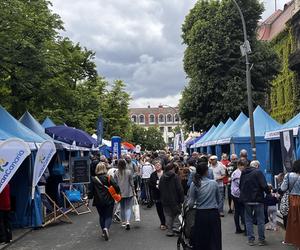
{"x":100,"y":130}
{"x":116,"y":146}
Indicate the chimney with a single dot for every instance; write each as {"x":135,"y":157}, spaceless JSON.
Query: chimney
{"x":148,"y":106}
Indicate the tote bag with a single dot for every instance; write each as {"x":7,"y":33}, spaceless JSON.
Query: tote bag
{"x":136,"y":209}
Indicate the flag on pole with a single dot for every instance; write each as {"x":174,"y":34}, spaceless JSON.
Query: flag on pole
{"x":100,"y":130}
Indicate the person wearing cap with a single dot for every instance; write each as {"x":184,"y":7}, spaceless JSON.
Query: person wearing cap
{"x":219,"y":173}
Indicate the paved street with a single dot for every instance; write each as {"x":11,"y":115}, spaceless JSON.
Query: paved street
{"x":84,"y":234}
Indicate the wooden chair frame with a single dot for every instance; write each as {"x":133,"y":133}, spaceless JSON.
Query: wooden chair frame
{"x":76,"y":205}
{"x":56,"y":214}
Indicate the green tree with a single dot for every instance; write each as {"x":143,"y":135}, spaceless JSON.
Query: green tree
{"x":49,"y":75}
{"x":148,"y":139}
{"x":215,"y":68}
{"x":25,"y":28}
{"x":115,"y":109}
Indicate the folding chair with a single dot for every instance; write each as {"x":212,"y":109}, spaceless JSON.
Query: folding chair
{"x":74,"y":201}
{"x":52,"y":212}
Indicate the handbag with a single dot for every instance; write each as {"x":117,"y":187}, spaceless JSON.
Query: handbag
{"x":284,"y":202}
{"x":136,"y":209}
{"x":117,"y":197}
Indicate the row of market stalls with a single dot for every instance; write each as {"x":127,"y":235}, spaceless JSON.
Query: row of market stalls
{"x":42,"y":159}
{"x":234,"y":135}
{"x":29,"y":150}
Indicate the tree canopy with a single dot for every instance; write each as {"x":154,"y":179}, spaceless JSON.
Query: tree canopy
{"x":148,"y":139}
{"x":212,"y":32}
{"x":50,"y":75}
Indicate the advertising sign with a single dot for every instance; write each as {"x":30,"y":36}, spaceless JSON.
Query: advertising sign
{"x":81,"y":170}
{"x":287,"y":149}
{"x":42,"y":159}
{"x":12,"y":153}
{"x":116,"y":146}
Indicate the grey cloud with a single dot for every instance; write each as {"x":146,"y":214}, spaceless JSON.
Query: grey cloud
{"x":136,"y":41}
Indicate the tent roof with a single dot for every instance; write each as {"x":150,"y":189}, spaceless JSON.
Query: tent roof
{"x":262,"y":122}
{"x":217,"y":135}
{"x":48,"y":123}
{"x":293,"y":124}
{"x":211,"y":136}
{"x":13,"y":128}
{"x":225,"y":137}
{"x":209,"y":132}
{"x":28,"y":120}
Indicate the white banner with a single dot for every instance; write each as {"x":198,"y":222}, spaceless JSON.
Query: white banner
{"x":12,"y":153}
{"x":42,"y":159}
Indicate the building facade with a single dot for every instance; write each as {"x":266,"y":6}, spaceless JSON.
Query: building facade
{"x":166,"y":118}
{"x":279,"y":30}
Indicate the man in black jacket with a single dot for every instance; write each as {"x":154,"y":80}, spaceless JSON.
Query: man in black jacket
{"x":253,"y":184}
{"x":172,"y":196}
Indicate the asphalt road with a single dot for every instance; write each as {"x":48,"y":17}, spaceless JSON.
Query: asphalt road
{"x":84,"y":234}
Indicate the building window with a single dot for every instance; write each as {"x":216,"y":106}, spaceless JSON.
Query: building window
{"x":133,"y":118}
{"x":141,"y":119}
{"x":151,"y":118}
{"x":170,"y":129}
{"x":161,"y":118}
{"x":162,"y":129}
{"x":176,"y":118}
{"x":169,"y":118}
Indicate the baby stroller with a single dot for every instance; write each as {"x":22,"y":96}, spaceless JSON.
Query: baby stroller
{"x":188,"y":219}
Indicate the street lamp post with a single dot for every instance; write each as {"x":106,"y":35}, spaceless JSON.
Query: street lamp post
{"x":245,"y":49}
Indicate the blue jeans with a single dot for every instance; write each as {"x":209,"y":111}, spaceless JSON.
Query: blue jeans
{"x":126,"y":207}
{"x":255,"y":212}
{"x":105,"y":215}
{"x":222,"y":194}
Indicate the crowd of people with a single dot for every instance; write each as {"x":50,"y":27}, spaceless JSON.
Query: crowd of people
{"x":199,"y":182}
{"x":202,"y":182}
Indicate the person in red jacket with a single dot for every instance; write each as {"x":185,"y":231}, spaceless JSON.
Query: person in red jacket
{"x":5,"y":227}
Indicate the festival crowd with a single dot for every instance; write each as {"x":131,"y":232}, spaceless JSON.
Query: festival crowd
{"x":189,"y":194}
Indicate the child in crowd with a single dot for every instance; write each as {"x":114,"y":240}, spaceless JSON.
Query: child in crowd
{"x":271,"y":200}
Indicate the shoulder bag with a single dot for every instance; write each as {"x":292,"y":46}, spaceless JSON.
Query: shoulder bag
{"x":117,"y":197}
{"x":284,"y":202}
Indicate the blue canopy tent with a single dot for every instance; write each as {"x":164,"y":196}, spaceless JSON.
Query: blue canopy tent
{"x":241,"y":139}
{"x":214,"y":138}
{"x":208,"y":133}
{"x":22,"y":180}
{"x":205,"y":143}
{"x":274,"y":148}
{"x":28,"y":120}
{"x":47,"y":123}
{"x":224,"y":139}
{"x":191,"y":141}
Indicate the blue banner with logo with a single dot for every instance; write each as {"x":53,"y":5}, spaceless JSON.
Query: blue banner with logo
{"x":116,"y":146}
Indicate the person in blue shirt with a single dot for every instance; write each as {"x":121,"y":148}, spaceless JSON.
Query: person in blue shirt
{"x":204,"y":196}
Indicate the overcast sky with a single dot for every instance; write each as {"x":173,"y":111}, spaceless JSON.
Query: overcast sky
{"x":136,"y":41}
